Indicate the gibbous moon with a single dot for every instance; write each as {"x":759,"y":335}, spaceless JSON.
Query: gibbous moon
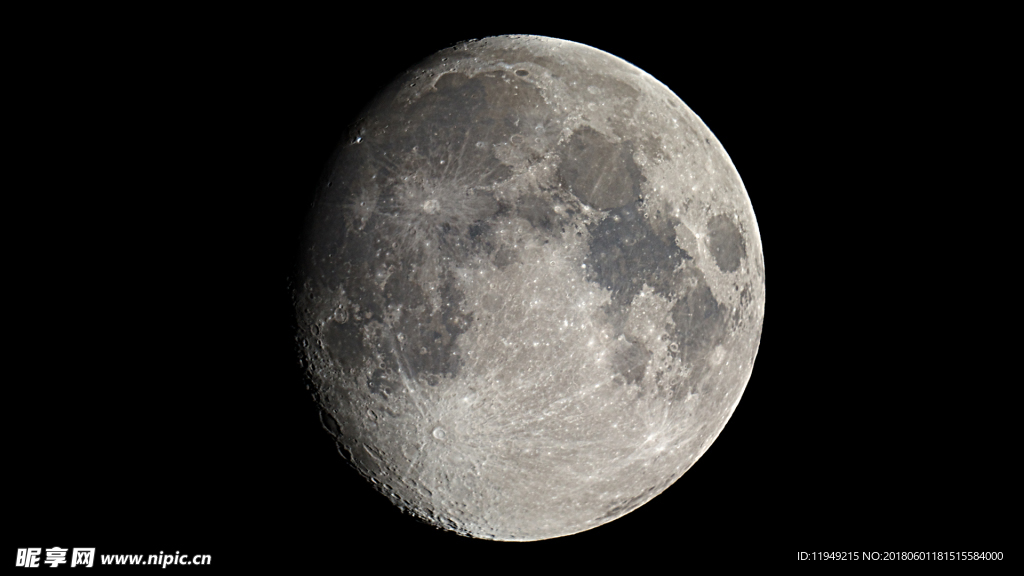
{"x":531,"y":289}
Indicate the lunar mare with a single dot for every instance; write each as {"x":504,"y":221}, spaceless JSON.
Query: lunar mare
{"x":531,"y":289}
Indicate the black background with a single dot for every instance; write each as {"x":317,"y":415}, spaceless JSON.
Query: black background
{"x":162,"y":173}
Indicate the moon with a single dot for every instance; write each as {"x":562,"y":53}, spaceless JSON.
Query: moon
{"x":531,"y":289}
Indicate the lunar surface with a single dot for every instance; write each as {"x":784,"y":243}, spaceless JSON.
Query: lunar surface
{"x":531,"y":289}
